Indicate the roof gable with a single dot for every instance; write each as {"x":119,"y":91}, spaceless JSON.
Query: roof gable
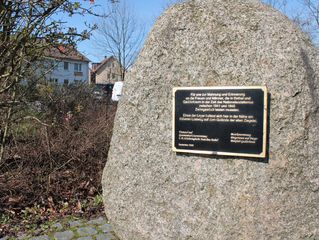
{"x":103,"y":63}
{"x":66,"y":52}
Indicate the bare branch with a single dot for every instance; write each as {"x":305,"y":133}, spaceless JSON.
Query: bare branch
{"x":28,"y":29}
{"x":120,"y":35}
{"x":34,"y":119}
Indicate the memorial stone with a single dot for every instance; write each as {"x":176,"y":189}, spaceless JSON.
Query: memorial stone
{"x":152,"y":192}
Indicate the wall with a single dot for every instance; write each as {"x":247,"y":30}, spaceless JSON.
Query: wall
{"x":102,"y":75}
{"x":61,"y":74}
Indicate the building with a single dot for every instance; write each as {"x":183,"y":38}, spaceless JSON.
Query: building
{"x":106,"y":72}
{"x":66,"y":65}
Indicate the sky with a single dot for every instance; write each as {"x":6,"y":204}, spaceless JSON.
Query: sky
{"x":146,"y":11}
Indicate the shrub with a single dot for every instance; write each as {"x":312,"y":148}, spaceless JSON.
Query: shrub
{"x":57,"y":154}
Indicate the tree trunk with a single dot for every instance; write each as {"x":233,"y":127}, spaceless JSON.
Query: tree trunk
{"x":6,"y":128}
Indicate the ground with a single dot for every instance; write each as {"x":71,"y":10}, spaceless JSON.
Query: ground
{"x":96,"y":228}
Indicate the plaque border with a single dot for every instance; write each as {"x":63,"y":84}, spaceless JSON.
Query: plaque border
{"x":264,"y":145}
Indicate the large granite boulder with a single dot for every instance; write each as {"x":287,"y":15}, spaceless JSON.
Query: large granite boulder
{"x":150,"y":192}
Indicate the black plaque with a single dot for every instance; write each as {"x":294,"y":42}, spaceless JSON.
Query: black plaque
{"x":220,"y":120}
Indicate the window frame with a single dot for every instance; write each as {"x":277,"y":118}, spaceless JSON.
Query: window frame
{"x":77,"y":67}
{"x":66,"y":65}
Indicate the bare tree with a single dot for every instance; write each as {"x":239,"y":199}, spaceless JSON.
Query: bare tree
{"x":304,"y":13}
{"x":313,"y":9}
{"x":308,"y":19}
{"x":121,"y":35}
{"x":28,"y":28}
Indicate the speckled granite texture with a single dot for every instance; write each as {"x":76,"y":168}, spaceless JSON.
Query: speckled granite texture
{"x":152,"y":193}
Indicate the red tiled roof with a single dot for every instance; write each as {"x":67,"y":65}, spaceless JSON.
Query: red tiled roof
{"x":66,"y":52}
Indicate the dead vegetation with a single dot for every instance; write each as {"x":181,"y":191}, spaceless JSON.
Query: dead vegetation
{"x":53,"y":166}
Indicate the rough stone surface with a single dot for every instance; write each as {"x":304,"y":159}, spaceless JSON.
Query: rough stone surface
{"x":43,"y":237}
{"x":81,"y":230}
{"x":105,"y":228}
{"x":75,"y":223}
{"x":104,"y":237}
{"x":21,"y":235}
{"x":152,"y":193}
{"x":85,"y":238}
{"x":66,"y":235}
{"x":97,"y":221}
{"x":86,"y":231}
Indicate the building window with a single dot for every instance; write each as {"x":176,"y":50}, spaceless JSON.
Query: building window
{"x":66,"y":82}
{"x":66,"y":66}
{"x":113,"y":76}
{"x":53,"y":80}
{"x":77,"y":67}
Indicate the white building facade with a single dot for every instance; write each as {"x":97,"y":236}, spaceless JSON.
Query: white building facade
{"x":69,"y":71}
{"x":67,"y":66}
